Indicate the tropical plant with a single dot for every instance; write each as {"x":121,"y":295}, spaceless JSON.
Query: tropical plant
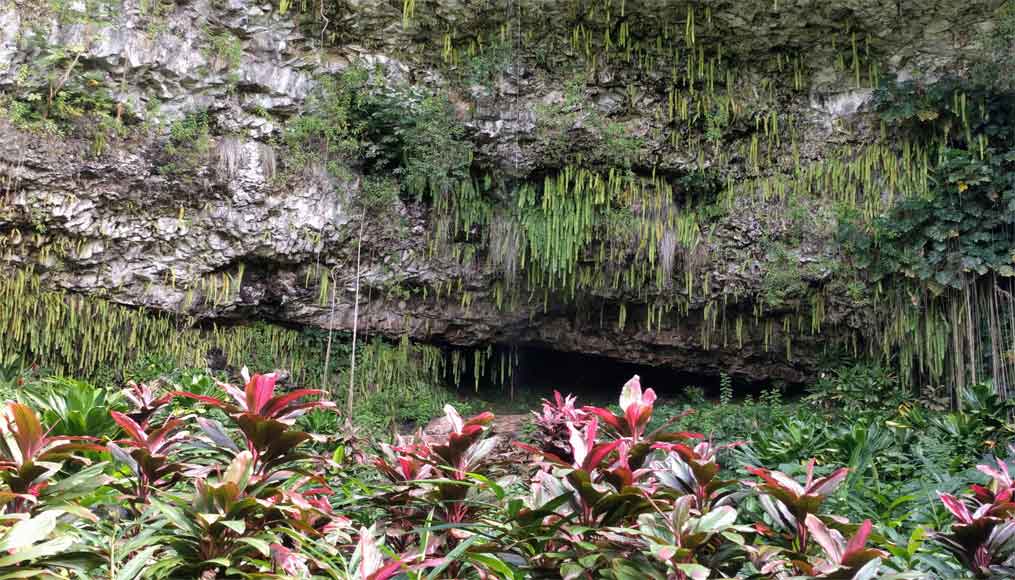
{"x":30,"y":458}
{"x":266,"y":421}
{"x":857,"y":388}
{"x":222,"y":527}
{"x":145,"y":400}
{"x":72,"y":407}
{"x":982,"y":536}
{"x":552,"y":424}
{"x":788,"y":502}
{"x":147,"y":455}
{"x":43,"y":546}
{"x":841,"y":558}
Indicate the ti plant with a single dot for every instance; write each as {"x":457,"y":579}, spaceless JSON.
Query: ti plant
{"x":42,"y":547}
{"x":224,"y":526}
{"x":636,"y":407}
{"x":145,"y":400}
{"x":982,"y":536}
{"x":849,"y":559}
{"x":552,"y":423}
{"x":795,"y":510}
{"x":627,"y":503}
{"x":691,"y":543}
{"x":439,"y":482}
{"x":266,"y":421}
{"x":788,"y":503}
{"x":30,"y":458}
{"x":147,"y":455}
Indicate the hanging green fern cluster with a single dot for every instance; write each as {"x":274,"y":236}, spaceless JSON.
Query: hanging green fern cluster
{"x":943,"y":262}
{"x":72,"y":333}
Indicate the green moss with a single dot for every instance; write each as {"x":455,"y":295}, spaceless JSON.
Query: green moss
{"x":189,"y":145}
{"x":225,"y":51}
{"x":783,"y":282}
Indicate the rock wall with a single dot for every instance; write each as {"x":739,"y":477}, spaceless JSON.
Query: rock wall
{"x":118,"y":196}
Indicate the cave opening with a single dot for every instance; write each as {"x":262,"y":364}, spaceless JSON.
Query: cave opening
{"x":599,"y":379}
{"x":535,"y":371}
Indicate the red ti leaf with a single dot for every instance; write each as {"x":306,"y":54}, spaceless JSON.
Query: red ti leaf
{"x":829,"y":543}
{"x":280,"y":403}
{"x":205,"y":399}
{"x":27,"y":430}
{"x":609,"y":418}
{"x":824,"y":486}
{"x":958,"y":509}
{"x":597,"y":454}
{"x":129,"y":426}
{"x":260,"y":389}
{"x":859,"y":539}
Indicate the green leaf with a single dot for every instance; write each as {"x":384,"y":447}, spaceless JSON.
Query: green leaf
{"x":176,"y":517}
{"x":42,"y":550}
{"x":493,"y":564}
{"x":218,"y":561}
{"x":916,"y":540}
{"x":258,"y":544}
{"x":869,"y":570}
{"x":694,"y":571}
{"x":31,"y":573}
{"x":29,"y":531}
{"x":238,"y":526}
{"x":452,"y":556}
{"x":571,"y":571}
{"x":717,"y":519}
{"x":132,"y":570}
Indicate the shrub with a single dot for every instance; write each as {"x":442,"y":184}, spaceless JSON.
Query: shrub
{"x":858,"y":388}
{"x":611,"y":494}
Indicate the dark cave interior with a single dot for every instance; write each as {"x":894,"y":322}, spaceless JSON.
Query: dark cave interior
{"x":539,"y":370}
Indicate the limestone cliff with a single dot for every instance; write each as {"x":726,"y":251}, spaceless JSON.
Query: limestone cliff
{"x":150,"y":156}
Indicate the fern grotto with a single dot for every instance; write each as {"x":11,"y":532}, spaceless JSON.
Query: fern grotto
{"x":507,"y":289}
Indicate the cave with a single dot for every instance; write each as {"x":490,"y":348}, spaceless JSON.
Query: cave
{"x":599,"y":379}
{"x":538,"y":370}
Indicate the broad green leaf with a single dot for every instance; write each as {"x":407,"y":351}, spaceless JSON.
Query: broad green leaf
{"x":42,"y":550}
{"x":571,"y":571}
{"x":869,"y":571}
{"x":694,"y":571}
{"x":238,"y":526}
{"x":31,"y":573}
{"x":717,"y":519}
{"x":258,"y":544}
{"x":218,"y":561}
{"x":133,"y":568}
{"x":452,"y":556}
{"x":239,"y":469}
{"x":494,"y":564}
{"x":176,"y":517}
{"x":30,"y":531}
